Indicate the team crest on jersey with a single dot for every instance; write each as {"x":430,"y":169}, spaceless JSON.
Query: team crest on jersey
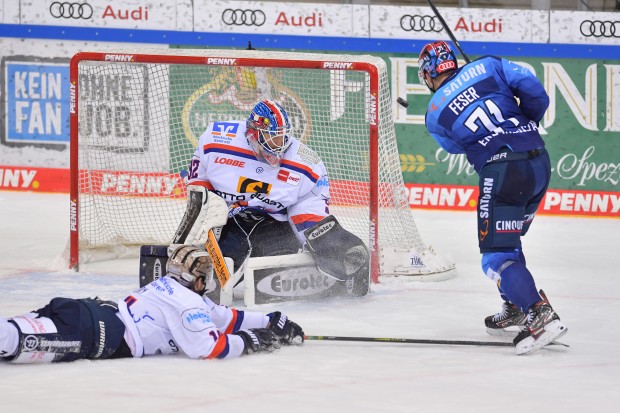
{"x":196,"y":319}
{"x":290,"y":178}
{"x":224,"y":132}
{"x":246,"y":185}
{"x":308,"y":155}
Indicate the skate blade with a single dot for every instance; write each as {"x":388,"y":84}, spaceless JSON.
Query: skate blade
{"x":507,"y":333}
{"x":510,"y":332}
{"x":553,"y":331}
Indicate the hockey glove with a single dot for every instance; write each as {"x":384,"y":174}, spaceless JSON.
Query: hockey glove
{"x":287,"y":331}
{"x":337,"y":252}
{"x":258,"y":339}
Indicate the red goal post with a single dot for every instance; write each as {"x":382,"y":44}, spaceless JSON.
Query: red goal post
{"x":134,"y":116}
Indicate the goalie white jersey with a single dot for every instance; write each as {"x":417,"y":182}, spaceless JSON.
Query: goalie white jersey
{"x":164,"y":317}
{"x":297,"y":190}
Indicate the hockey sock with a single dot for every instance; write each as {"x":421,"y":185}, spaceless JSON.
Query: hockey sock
{"x":9,"y":338}
{"x":522,"y":257}
{"x":522,"y":261}
{"x":518,"y":286}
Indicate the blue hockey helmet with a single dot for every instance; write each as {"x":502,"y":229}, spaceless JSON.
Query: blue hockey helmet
{"x":268,"y":129}
{"x":435,"y":58}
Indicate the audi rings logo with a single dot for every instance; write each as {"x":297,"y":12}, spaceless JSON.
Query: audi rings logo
{"x":419,"y":23}
{"x":598,"y":28}
{"x":238,"y":17}
{"x":66,"y":10}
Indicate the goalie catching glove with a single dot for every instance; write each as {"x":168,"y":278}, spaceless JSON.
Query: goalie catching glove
{"x":258,"y":340}
{"x":287,"y":331}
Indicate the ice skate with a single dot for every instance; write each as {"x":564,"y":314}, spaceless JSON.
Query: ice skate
{"x":543,"y":326}
{"x":506,"y":323}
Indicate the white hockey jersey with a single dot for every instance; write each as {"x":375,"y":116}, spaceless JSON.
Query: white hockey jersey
{"x":164,"y":317}
{"x":297,"y":191}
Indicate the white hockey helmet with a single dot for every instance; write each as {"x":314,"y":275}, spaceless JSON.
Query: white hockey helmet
{"x":187,"y":264}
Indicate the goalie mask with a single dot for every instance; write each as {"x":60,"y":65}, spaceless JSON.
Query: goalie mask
{"x":435,"y":58}
{"x":187,"y":265}
{"x":267,"y":132}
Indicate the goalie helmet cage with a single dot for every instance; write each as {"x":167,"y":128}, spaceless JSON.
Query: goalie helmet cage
{"x":136,"y":116}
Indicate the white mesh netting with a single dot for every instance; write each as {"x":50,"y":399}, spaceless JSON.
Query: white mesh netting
{"x":139,"y":124}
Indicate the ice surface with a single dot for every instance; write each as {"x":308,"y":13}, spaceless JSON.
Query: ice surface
{"x":575,"y":260}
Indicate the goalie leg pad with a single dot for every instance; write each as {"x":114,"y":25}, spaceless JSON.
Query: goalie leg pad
{"x":340,"y":254}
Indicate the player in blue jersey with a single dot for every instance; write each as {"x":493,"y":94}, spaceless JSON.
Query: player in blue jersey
{"x":489,"y":110}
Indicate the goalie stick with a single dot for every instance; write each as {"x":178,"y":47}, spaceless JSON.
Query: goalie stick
{"x":216,"y":210}
{"x":220,"y":267}
{"x":421,"y":341}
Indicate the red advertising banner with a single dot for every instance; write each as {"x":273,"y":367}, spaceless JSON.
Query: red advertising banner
{"x":17,"y":178}
{"x":556,"y":202}
{"x":126,"y":183}
{"x":420,"y":196}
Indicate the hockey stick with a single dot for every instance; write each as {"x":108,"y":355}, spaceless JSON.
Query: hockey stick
{"x":403,"y":102}
{"x":420,"y":341}
{"x":220,"y":267}
{"x":213,"y":210}
{"x":445,"y":26}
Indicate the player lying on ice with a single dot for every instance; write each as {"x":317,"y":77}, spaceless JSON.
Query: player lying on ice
{"x":265,"y":193}
{"x":167,"y":316}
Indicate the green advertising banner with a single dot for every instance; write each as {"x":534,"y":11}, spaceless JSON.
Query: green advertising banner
{"x":581,"y":127}
{"x":202,"y":94}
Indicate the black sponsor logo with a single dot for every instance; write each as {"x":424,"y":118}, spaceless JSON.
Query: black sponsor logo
{"x":417,"y":23}
{"x":293,"y":283}
{"x":246,"y":185}
{"x":239,"y":17}
{"x":321,"y":230}
{"x":66,"y":10}
{"x":598,"y":28}
{"x":31,"y":343}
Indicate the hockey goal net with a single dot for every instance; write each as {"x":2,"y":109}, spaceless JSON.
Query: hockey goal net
{"x":136,"y":117}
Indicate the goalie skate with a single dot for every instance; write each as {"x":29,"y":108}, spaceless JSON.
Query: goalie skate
{"x":507,"y":323}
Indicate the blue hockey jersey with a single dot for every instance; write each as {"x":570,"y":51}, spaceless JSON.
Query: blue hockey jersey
{"x":475,"y":112}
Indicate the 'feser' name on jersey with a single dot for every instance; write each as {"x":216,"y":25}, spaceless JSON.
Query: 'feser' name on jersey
{"x":463,"y":99}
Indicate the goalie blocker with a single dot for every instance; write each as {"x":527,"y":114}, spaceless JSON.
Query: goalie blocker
{"x":342,"y":268}
{"x":340,"y":254}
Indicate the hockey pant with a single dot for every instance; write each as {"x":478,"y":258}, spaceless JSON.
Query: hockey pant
{"x":510,"y":192}
{"x":260,"y":238}
{"x":67,"y":329}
